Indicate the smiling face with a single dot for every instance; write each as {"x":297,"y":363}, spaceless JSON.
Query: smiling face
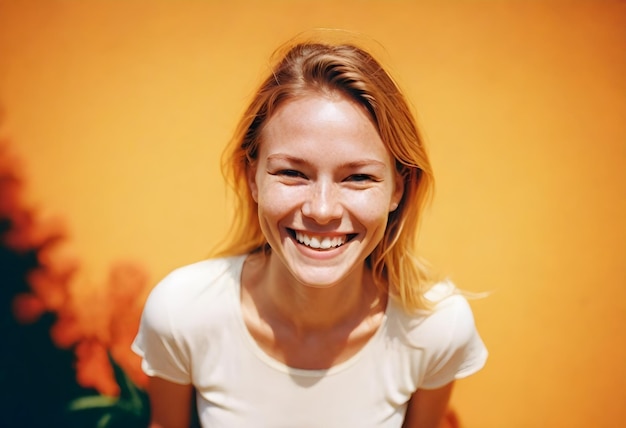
{"x":324,"y":184}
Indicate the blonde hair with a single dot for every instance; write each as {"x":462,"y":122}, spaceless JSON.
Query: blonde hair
{"x":351,"y":71}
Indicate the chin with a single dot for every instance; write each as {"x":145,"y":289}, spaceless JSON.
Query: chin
{"x":321,"y":277}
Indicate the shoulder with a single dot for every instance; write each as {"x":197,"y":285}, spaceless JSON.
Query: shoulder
{"x":205,"y":270}
{"x":182,"y":313}
{"x":445,"y":334}
{"x":192,"y":288}
{"x":449,"y":309}
{"x":451,"y":313}
{"x":200,"y":277}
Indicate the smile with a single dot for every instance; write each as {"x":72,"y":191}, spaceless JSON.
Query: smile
{"x":321,"y":242}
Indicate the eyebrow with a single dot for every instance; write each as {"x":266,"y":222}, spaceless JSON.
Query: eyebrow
{"x":348,"y":165}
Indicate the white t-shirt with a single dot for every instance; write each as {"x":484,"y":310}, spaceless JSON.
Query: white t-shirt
{"x":192,"y":332}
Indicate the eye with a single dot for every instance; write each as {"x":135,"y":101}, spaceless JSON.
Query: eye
{"x":291,"y":173}
{"x":289,"y":176}
{"x":359,"y":178}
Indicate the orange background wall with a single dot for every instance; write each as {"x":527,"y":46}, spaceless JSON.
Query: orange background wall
{"x":120,"y":111}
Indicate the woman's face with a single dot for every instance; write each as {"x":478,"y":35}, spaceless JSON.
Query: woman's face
{"x":324,"y":184}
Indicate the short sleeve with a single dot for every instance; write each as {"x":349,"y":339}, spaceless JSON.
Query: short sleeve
{"x":157,"y":342}
{"x":459,"y":350}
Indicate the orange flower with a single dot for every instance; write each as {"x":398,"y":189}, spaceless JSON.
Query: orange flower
{"x":91,"y":317}
{"x":128,"y":288}
{"x":51,"y":290}
{"x":93,"y":369}
{"x":66,"y":331}
{"x":27,"y":308}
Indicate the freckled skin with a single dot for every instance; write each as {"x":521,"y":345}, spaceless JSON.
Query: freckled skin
{"x":323,"y":170}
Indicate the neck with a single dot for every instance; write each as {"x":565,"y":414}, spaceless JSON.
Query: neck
{"x":305,"y":308}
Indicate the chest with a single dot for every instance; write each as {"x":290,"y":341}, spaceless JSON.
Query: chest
{"x":237,"y":382}
{"x":314,"y":351}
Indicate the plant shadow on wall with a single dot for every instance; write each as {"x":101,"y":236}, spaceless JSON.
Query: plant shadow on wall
{"x":66,"y":359}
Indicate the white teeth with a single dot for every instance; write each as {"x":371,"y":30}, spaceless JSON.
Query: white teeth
{"x":319,"y":242}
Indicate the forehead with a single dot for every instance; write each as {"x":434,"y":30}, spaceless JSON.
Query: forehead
{"x":328,"y":124}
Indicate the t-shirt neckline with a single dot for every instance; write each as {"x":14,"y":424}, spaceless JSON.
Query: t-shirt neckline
{"x":258,"y":352}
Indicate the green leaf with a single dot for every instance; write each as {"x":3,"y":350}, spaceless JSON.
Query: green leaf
{"x":130,"y":409}
{"x":104,"y":421}
{"x":92,"y":402}
{"x":130,"y":394}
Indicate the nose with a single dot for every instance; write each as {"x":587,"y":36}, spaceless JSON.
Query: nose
{"x":323,"y":203}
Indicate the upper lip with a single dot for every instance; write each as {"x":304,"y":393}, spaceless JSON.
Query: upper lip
{"x":320,"y":234}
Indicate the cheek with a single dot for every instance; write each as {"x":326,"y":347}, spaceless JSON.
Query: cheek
{"x":368,"y":207}
{"x":277,"y":200}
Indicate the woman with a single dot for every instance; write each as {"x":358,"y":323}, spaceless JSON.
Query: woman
{"x":318,"y":314}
